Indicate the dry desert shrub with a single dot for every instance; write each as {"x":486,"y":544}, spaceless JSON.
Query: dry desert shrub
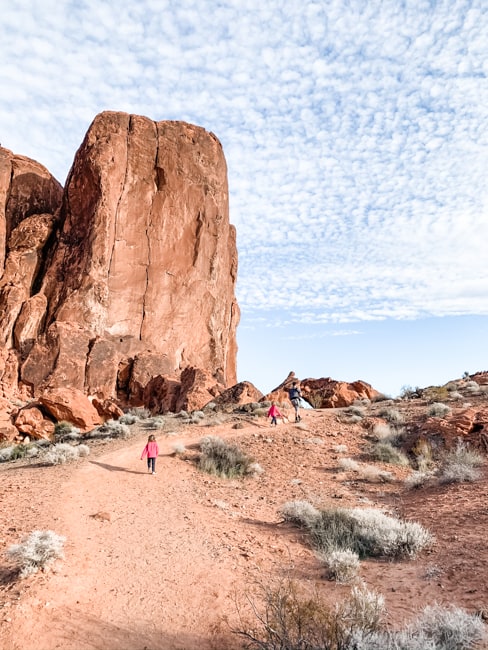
{"x":300,"y":513}
{"x":141,"y":412}
{"x":36,"y":551}
{"x":65,"y":431}
{"x":438,"y":410}
{"x":385,"y":452}
{"x":110,"y":429}
{"x":460,"y":465}
{"x":342,"y":565}
{"x":365,"y":472}
{"x":285,"y":616}
{"x":129,"y":419}
{"x":65,"y":453}
{"x":368,"y":532}
{"x":223,"y":459}
{"x":391,"y":415}
{"x":418,"y":478}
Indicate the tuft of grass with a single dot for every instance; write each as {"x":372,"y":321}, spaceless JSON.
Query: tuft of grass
{"x":460,"y":465}
{"x":365,"y":472}
{"x":385,"y":452}
{"x":36,"y":551}
{"x":141,"y":412}
{"x":223,"y":459}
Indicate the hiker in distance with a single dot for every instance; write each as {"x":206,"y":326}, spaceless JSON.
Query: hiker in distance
{"x":151,"y":451}
{"x":274,"y":413}
{"x":295,"y":396}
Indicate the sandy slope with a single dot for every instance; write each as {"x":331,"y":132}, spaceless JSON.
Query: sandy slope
{"x":155,"y":562}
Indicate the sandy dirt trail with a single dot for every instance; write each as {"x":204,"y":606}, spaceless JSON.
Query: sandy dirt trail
{"x":142,"y":573}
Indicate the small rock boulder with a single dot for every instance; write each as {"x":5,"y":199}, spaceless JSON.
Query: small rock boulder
{"x":31,"y":421}
{"x":71,"y":405}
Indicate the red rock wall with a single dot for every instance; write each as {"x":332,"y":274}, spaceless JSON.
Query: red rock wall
{"x":143,"y":265}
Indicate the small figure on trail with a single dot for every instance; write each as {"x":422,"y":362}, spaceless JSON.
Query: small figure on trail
{"x":151,"y":451}
{"x":295,"y":395}
{"x":274,"y":413}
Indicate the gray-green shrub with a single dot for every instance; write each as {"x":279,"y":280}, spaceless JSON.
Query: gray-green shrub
{"x":385,"y":452}
{"x":393,"y":416}
{"x":460,"y":465}
{"x":438,"y":410}
{"x":368,"y":532}
{"x":36,"y":551}
{"x":65,"y":453}
{"x":342,"y":565}
{"x":223,"y":459}
{"x":301,"y":513}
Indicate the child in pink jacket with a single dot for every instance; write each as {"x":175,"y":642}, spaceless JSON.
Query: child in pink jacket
{"x":151,"y":451}
{"x":274,"y":413}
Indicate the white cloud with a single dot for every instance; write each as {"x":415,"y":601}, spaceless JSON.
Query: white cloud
{"x":355,"y":134}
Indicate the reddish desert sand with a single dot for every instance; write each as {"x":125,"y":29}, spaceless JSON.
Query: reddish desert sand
{"x":158,"y":562}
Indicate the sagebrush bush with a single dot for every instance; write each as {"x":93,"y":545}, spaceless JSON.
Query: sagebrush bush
{"x":286,"y":617}
{"x":385,"y":452}
{"x":460,"y":465}
{"x":393,"y":416}
{"x":223,"y":458}
{"x":65,"y":453}
{"x":368,"y":532}
{"x":438,"y":410}
{"x":129,"y":418}
{"x":66,"y":431}
{"x":451,"y":628}
{"x":342,"y":565}
{"x":36,"y":551}
{"x":110,"y":429}
{"x":6,"y":453}
{"x":301,"y":513}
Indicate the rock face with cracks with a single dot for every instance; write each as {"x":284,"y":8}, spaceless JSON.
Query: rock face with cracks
{"x":128,"y":275}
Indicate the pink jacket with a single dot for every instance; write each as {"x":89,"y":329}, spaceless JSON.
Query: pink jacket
{"x":151,"y":450}
{"x":274,"y":412}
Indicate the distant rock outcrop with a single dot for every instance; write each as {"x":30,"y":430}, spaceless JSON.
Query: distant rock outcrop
{"x":128,"y":275}
{"x":325,"y":392}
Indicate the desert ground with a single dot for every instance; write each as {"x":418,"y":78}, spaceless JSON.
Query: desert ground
{"x":159,"y":562}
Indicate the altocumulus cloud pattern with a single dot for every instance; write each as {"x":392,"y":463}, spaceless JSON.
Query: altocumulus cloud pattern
{"x":355,"y":133}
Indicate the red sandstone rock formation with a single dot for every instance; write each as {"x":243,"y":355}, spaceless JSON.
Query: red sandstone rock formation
{"x":242,"y":393}
{"x":325,"y":392}
{"x":131,"y":277}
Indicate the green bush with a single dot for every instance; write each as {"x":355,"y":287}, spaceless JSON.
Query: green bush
{"x":223,"y":459}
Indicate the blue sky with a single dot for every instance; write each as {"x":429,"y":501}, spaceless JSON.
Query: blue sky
{"x":356,"y":138}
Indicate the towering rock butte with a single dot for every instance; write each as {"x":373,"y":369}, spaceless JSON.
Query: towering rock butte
{"x":127,"y":275}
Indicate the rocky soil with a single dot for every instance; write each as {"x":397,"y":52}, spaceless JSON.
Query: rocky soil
{"x":159,"y":562}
